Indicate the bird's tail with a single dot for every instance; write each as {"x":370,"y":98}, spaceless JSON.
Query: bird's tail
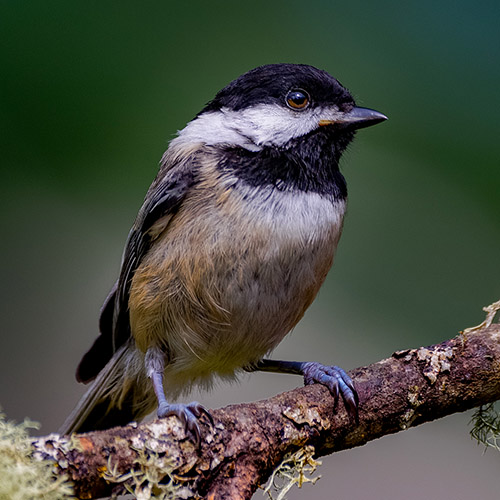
{"x":121,"y":393}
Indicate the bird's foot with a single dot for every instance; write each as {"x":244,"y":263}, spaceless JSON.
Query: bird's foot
{"x":189,"y":415}
{"x":336,"y":380}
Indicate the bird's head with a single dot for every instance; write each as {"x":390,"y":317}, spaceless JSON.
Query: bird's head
{"x":273,"y":106}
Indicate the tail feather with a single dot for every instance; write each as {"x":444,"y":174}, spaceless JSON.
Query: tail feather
{"x":114,"y":398}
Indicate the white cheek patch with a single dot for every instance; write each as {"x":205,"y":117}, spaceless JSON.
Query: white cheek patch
{"x":254,"y":127}
{"x":212,"y":128}
{"x":271,"y":124}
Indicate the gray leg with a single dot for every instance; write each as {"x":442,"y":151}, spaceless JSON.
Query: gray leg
{"x":334,"y":378}
{"x":189,"y":414}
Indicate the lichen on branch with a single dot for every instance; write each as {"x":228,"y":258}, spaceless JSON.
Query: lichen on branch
{"x":249,"y":441}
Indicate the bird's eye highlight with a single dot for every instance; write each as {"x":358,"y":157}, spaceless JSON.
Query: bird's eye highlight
{"x":297,"y":99}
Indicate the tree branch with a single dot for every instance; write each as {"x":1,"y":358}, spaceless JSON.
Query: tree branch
{"x":250,"y":440}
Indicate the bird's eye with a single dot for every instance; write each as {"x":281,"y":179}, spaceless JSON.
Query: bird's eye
{"x":297,"y":99}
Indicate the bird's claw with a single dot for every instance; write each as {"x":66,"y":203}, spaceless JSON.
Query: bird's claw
{"x":337,"y":381}
{"x":189,"y":415}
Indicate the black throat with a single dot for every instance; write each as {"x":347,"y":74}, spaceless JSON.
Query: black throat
{"x":307,"y":164}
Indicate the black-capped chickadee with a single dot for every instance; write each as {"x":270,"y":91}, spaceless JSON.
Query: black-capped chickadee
{"x":235,"y":237}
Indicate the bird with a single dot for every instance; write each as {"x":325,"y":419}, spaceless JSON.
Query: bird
{"x":232,"y":243}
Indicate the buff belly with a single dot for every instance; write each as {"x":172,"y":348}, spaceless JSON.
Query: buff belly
{"x":218,"y":291}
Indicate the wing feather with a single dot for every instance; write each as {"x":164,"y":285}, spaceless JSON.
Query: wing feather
{"x":176,"y":176}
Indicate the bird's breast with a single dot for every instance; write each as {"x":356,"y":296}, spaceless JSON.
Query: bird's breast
{"x":233,"y":273}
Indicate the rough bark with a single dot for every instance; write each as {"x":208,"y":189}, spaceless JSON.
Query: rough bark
{"x":250,"y":440}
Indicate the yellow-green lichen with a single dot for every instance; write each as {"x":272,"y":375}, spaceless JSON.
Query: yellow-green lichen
{"x":491,"y":312}
{"x":152,"y":477}
{"x":486,"y":426}
{"x":296,"y":468}
{"x":22,"y":477}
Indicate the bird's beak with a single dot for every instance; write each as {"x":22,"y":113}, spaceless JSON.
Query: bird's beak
{"x":356,"y":118}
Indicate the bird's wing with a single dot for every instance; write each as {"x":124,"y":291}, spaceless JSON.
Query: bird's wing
{"x":176,"y":176}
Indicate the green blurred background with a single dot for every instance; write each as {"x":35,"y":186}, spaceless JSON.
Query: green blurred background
{"x":91,"y":93}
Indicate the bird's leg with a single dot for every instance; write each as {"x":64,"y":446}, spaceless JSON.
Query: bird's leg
{"x":188,"y":414}
{"x":334,"y":378}
{"x":157,"y":379}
